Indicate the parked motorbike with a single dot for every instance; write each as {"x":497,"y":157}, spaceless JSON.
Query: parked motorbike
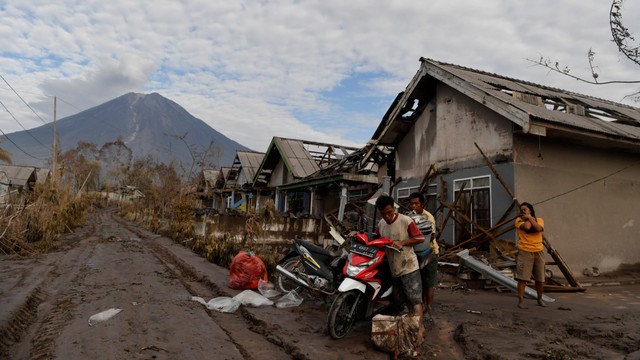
{"x":367,"y":288}
{"x":309,"y":266}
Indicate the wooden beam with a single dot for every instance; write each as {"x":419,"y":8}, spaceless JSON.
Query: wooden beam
{"x":564,"y":268}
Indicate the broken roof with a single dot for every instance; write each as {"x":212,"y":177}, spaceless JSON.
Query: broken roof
{"x":302,"y":158}
{"x":220,"y":176}
{"x":19,"y":175}
{"x":537,"y":109}
{"x":247,"y":162}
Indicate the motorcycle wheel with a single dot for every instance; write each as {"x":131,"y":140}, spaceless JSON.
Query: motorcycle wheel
{"x":283,"y":283}
{"x":342,"y":314}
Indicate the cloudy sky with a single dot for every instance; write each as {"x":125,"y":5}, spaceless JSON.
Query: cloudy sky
{"x":324,"y":70}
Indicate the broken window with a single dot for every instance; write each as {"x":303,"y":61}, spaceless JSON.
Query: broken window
{"x":475,"y":204}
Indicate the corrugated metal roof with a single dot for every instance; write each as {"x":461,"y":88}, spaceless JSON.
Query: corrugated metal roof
{"x":19,"y":175}
{"x":42,"y":175}
{"x":302,"y":158}
{"x":210,"y":175}
{"x":590,"y":114}
{"x":297,"y":158}
{"x":250,"y":162}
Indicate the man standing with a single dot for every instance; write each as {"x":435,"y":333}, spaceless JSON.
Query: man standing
{"x":530,"y":257}
{"x":404,"y":267}
{"x":429,"y":272}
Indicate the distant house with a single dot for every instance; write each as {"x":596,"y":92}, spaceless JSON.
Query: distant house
{"x":219,"y":195}
{"x":205,"y":185}
{"x":239,"y":180}
{"x":16,"y":179}
{"x":43,"y":176}
{"x":124,"y":193}
{"x":574,"y":157}
{"x":289,"y":161}
{"x":338,"y":184}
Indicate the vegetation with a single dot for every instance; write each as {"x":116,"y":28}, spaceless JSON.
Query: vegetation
{"x":625,"y":42}
{"x":32,"y":222}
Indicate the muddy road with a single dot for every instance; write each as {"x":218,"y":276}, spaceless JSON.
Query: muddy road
{"x":110,"y":263}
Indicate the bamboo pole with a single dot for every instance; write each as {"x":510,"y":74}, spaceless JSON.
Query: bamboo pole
{"x":564,"y":268}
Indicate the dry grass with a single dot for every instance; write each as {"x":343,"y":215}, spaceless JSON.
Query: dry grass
{"x":174,"y":217}
{"x":222,"y":249}
{"x":31,"y":224}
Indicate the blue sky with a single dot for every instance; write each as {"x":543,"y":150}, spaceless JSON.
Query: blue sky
{"x":323,"y":70}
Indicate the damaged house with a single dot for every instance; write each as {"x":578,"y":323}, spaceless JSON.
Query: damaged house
{"x":287,"y":162}
{"x":16,"y":179}
{"x":490,"y":142}
{"x":238,"y":181}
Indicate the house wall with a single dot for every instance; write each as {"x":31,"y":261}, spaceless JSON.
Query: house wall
{"x":278,"y":230}
{"x":590,"y":222}
{"x":242,"y":179}
{"x":325,"y":200}
{"x":444,"y":135}
{"x":278,"y":175}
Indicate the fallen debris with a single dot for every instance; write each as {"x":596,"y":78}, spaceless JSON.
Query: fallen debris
{"x":103,"y":316}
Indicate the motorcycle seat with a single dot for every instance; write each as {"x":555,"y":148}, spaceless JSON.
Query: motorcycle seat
{"x":314,"y":248}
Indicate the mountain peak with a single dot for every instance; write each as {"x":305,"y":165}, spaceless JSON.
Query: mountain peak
{"x":149,"y":124}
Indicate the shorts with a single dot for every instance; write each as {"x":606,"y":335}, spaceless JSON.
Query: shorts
{"x":429,"y":272}
{"x":408,"y":288}
{"x":528,"y":263}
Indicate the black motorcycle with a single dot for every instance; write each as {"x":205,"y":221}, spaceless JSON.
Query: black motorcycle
{"x":309,"y":266}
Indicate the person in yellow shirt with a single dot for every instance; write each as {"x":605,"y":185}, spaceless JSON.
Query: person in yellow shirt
{"x":530,"y":259}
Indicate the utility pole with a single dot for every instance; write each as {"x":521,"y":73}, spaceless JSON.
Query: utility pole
{"x":55,"y":145}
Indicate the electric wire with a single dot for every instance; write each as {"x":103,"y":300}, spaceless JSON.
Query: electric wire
{"x":29,"y":106}
{"x":19,"y":123}
{"x":19,"y":148}
{"x":589,"y":183}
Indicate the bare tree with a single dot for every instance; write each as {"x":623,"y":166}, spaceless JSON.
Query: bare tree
{"x":624,"y":40}
{"x":81,"y":166}
{"x":116,"y":158}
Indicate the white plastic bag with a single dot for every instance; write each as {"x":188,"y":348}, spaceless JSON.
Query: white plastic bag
{"x":267,"y":289}
{"x":252,"y":298}
{"x":103,"y":316}
{"x":222,"y":304}
{"x":290,"y":299}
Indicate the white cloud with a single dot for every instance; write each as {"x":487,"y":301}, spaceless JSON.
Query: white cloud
{"x":250,"y":68}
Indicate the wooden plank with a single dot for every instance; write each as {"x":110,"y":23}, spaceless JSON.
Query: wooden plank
{"x":560,"y":288}
{"x":564,"y":268}
{"x":427,"y":177}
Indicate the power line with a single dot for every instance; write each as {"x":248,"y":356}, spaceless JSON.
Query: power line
{"x":28,"y":132}
{"x":19,"y":148}
{"x":589,"y":183}
{"x":29,"y":106}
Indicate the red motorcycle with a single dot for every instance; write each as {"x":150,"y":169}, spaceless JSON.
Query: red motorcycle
{"x":367,"y":288}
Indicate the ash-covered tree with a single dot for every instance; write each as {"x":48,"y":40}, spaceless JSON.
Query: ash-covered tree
{"x":116,"y":158}
{"x":80,"y":167}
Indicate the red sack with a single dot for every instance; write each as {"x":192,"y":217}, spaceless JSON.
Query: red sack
{"x":246,"y":271}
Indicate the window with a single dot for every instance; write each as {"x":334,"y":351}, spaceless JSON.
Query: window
{"x":475,"y":204}
{"x":402,"y":193}
{"x":353,"y":195}
{"x":431,"y":198}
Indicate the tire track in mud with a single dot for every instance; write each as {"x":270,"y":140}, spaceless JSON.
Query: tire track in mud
{"x":20,"y":322}
{"x":35,"y":307}
{"x":191,"y":280}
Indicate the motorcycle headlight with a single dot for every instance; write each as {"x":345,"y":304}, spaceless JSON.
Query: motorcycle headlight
{"x":354,"y":270}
